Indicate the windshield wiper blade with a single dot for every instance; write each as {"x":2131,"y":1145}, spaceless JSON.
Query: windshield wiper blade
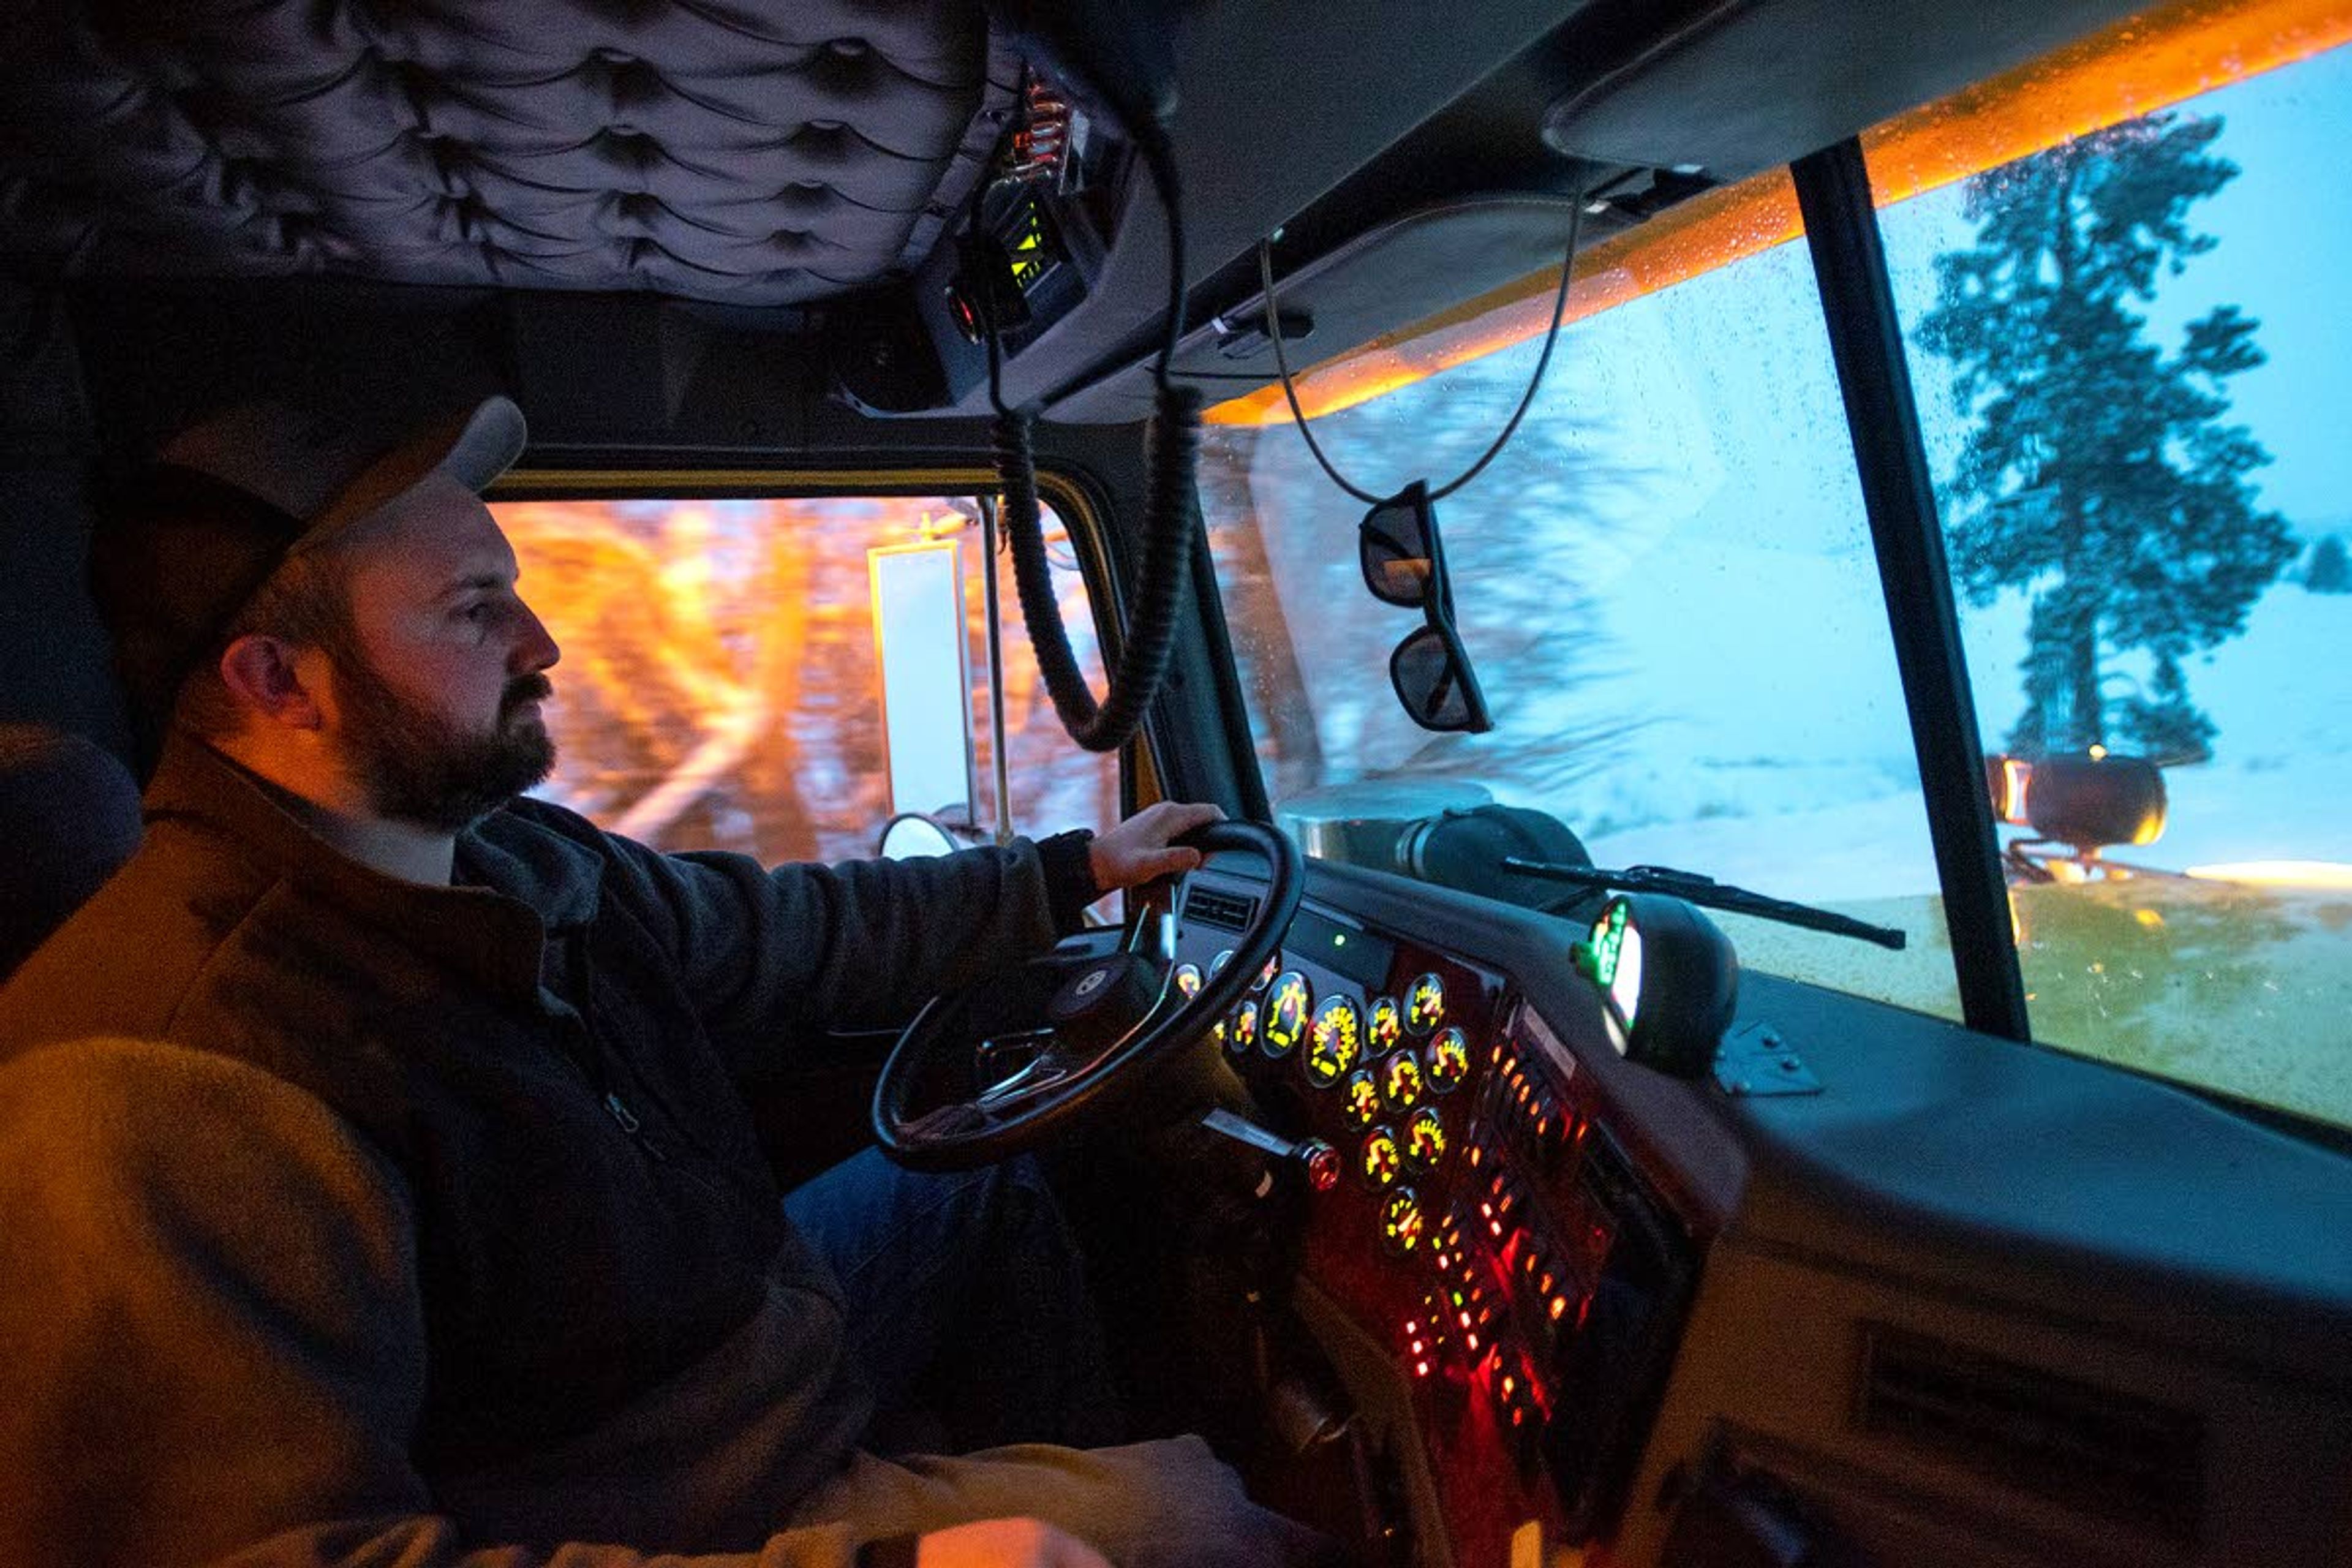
{"x":1691,"y":888}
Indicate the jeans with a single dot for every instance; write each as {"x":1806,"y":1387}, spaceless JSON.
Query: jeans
{"x":966,"y":1305}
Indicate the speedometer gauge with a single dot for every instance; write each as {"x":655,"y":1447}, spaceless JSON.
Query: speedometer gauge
{"x":1283,"y":1023}
{"x":1335,"y":1042}
{"x":1424,"y":1006}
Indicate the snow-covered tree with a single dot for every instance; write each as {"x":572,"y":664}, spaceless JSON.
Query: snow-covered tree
{"x":2098,"y":474}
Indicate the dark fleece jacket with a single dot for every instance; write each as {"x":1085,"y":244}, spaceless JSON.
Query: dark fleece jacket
{"x":395,"y":1219}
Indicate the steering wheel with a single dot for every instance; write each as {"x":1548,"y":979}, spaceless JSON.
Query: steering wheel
{"x":1031,"y":1053}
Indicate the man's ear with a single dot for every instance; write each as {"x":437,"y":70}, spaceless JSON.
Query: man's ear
{"x":260,"y":673}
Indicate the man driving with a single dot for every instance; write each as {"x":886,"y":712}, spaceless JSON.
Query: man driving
{"x":380,"y":1185}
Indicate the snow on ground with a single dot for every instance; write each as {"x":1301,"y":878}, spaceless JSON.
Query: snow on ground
{"x":1778,"y":756}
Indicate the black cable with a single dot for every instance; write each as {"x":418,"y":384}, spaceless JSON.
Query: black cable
{"x":1171,"y":460}
{"x":1526,"y":399}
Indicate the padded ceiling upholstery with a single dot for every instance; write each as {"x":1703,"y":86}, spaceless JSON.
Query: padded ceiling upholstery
{"x":718,"y":150}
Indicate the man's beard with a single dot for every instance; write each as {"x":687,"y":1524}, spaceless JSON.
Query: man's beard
{"x":419,"y":768}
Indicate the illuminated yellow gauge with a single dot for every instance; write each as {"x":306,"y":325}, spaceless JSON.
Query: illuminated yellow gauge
{"x":1381,"y":1161}
{"x":1401,"y":1080}
{"x":1449,"y":1060}
{"x":1283,"y":1023}
{"x":1387,"y":1025}
{"x":1242,"y":1034}
{"x":1400,"y":1222}
{"x":1360,"y":1098}
{"x":1335,"y":1042}
{"x":1424,"y":1139}
{"x":1188,"y":979}
{"x":1424,"y":1006}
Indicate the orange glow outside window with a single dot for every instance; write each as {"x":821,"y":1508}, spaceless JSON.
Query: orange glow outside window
{"x":2138,"y":66}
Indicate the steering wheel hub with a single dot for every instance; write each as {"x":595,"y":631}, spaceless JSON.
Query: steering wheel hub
{"x":1104,"y":1001}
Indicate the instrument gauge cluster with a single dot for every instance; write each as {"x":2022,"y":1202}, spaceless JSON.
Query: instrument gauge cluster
{"x":1361,"y":1040}
{"x":1486,"y":1216}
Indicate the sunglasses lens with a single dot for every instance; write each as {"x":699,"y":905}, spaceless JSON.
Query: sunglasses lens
{"x":1429,"y":683}
{"x":1394,"y":550}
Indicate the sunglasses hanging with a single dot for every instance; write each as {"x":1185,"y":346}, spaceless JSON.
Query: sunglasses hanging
{"x":1398,"y":544}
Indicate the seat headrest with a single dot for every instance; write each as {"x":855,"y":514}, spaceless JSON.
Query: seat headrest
{"x":68,"y":818}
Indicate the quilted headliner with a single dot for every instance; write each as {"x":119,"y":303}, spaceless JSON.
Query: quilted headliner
{"x":748,"y":153}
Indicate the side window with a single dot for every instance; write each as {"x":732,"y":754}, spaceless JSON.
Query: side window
{"x":1665,"y":582}
{"x":720,"y":685}
{"x":2132,"y":360}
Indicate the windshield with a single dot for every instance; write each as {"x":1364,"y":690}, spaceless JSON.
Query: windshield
{"x":1668,"y":587}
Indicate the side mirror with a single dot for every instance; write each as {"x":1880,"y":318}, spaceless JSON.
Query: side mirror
{"x":911,"y":835}
{"x":2086,"y":801}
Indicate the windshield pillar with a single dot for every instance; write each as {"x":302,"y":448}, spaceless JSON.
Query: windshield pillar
{"x":1873,"y":378}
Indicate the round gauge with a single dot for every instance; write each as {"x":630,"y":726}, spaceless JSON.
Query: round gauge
{"x":1449,"y":1060}
{"x":1265,"y":977}
{"x":1188,"y":979}
{"x":1424,"y":1139}
{"x":1283,"y":1023}
{"x":1400,"y":1222}
{"x":1387,"y":1023}
{"x":1424,"y":1007}
{"x":1360,"y":1098}
{"x":1335,"y":1042}
{"x":1401,"y":1080}
{"x":1244,"y":1034}
{"x":1217,"y":964}
{"x":1220,"y":1032}
{"x":1381,"y":1161}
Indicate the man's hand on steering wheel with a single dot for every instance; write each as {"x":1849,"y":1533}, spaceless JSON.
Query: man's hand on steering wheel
{"x":1140,"y":848}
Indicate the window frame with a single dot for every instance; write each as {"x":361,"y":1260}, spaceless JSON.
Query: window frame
{"x":1075,"y":501}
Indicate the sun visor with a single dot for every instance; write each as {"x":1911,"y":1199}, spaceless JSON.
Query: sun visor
{"x":1402,"y":271}
{"x":1746,"y":87}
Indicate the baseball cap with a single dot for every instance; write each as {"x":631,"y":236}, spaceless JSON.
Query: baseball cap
{"x":181,"y":548}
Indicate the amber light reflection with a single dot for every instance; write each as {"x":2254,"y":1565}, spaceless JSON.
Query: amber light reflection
{"x":2134,"y":68}
{"x":719,"y":687}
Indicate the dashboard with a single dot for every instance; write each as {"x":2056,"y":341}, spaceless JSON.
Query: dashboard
{"x":1489,"y":1230}
{"x":1958,"y":1299}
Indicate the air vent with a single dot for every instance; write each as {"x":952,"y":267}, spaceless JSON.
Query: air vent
{"x":1232,"y":911}
{"x":2087,"y":1447}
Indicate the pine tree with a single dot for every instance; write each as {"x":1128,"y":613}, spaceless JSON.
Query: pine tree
{"x":2098,"y":474}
